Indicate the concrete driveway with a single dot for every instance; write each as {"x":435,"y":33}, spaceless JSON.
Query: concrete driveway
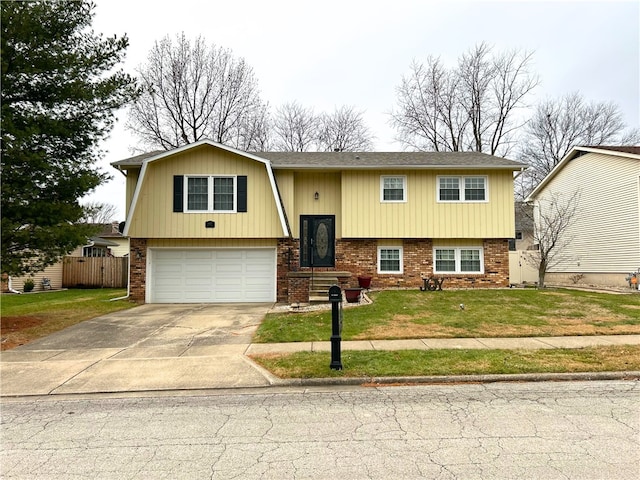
{"x":150,"y":347}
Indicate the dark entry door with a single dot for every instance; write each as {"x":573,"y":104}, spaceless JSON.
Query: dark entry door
{"x":317,"y":241}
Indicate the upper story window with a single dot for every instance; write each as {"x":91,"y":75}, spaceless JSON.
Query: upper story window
{"x":462,"y":189}
{"x":210,"y":194}
{"x":393,"y":189}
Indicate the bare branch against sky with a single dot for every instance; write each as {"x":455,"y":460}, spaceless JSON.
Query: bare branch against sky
{"x":311,"y":55}
{"x":468,"y":107}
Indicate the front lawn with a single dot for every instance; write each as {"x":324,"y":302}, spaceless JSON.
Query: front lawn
{"x":409,"y":363}
{"x":30,"y":316}
{"x":402,"y":314}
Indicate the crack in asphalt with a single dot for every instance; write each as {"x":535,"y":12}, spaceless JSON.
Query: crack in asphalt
{"x":560,"y":430}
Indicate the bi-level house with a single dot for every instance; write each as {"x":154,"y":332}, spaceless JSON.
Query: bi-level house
{"x":209,"y":223}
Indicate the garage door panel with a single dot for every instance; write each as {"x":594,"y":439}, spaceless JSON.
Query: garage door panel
{"x":198,"y":273}
{"x":198,"y":254}
{"x":230,"y":254}
{"x":170,"y":268}
{"x":229,"y":269}
{"x":212,"y":275}
{"x":195,"y":283}
{"x":258,"y":269}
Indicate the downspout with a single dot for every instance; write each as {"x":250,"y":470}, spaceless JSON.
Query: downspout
{"x":128,"y":281}
{"x":129,"y":267}
{"x":520,"y":172}
{"x":10,"y":287}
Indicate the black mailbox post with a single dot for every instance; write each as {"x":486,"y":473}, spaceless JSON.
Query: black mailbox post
{"x":335,"y":297}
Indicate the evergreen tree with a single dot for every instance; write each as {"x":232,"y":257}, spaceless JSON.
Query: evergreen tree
{"x":59,"y":94}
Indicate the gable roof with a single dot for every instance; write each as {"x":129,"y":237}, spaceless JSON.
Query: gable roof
{"x":145,"y":159}
{"x":632,"y":152}
{"x":378,"y":160}
{"x":354,"y":160}
{"x":619,"y":148}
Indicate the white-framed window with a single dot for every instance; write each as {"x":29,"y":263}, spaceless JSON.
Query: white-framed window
{"x":458,"y":260}
{"x":393,"y":188}
{"x":93,"y":251}
{"x":210,"y":193}
{"x":462,"y":189}
{"x":390,"y":260}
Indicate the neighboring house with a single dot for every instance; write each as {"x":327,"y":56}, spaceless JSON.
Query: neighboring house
{"x":108,"y":243}
{"x":52,"y":273}
{"x":605,"y":236}
{"x":208,"y":223}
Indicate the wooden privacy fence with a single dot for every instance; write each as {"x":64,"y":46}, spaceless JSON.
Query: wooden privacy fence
{"x":108,"y":272}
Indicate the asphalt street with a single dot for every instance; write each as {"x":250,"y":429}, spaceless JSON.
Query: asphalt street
{"x":559,"y":430}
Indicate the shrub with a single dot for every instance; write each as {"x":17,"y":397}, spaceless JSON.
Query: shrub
{"x":28,"y":285}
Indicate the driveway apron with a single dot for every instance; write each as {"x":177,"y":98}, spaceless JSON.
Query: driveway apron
{"x":150,"y":347}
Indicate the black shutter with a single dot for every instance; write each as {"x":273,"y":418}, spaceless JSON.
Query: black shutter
{"x":178,"y":193}
{"x":242,"y":193}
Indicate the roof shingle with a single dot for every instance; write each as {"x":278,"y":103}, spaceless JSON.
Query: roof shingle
{"x":366,"y":160}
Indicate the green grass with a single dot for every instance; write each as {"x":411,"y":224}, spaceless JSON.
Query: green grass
{"x":453,"y":362}
{"x":487,"y":313}
{"x":31,"y":316}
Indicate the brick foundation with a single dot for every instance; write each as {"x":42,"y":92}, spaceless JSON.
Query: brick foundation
{"x":298,"y":289}
{"x":360,"y":257}
{"x":137,"y":269}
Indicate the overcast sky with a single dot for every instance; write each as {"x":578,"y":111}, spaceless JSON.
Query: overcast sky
{"x":329,"y":53}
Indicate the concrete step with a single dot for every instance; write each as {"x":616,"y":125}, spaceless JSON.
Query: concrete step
{"x":319,"y":298}
{"x":319,"y":288}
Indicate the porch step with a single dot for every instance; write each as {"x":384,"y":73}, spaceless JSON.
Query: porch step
{"x":319,"y":288}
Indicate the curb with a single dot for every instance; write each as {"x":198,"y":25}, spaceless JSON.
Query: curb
{"x":456,"y":379}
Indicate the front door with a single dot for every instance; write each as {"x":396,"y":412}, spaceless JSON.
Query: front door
{"x":317,"y":241}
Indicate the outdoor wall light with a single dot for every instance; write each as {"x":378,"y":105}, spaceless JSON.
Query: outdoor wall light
{"x":316,"y":196}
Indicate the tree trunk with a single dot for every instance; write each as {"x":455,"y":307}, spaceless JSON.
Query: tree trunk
{"x":542,"y":271}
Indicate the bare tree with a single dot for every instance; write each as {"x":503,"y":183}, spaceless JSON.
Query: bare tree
{"x":295,"y":128}
{"x":558,"y":125}
{"x":552,"y":218}
{"x":470,"y":107}
{"x":344,"y":131}
{"x":430,"y":116}
{"x":99,"y":213}
{"x":192,"y":91}
{"x":256,"y":132}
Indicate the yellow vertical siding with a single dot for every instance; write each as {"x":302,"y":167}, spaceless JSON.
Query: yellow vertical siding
{"x":329,"y":198}
{"x":132,"y":180}
{"x":422,"y":216}
{"x":154,"y":216}
{"x":286,"y":188}
{"x":211,"y":243}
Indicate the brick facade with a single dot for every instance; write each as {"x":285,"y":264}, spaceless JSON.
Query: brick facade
{"x":137,"y":269}
{"x":358,"y":257}
{"x":298,"y":289}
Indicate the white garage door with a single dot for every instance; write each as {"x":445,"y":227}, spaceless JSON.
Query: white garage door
{"x":212,"y":275}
